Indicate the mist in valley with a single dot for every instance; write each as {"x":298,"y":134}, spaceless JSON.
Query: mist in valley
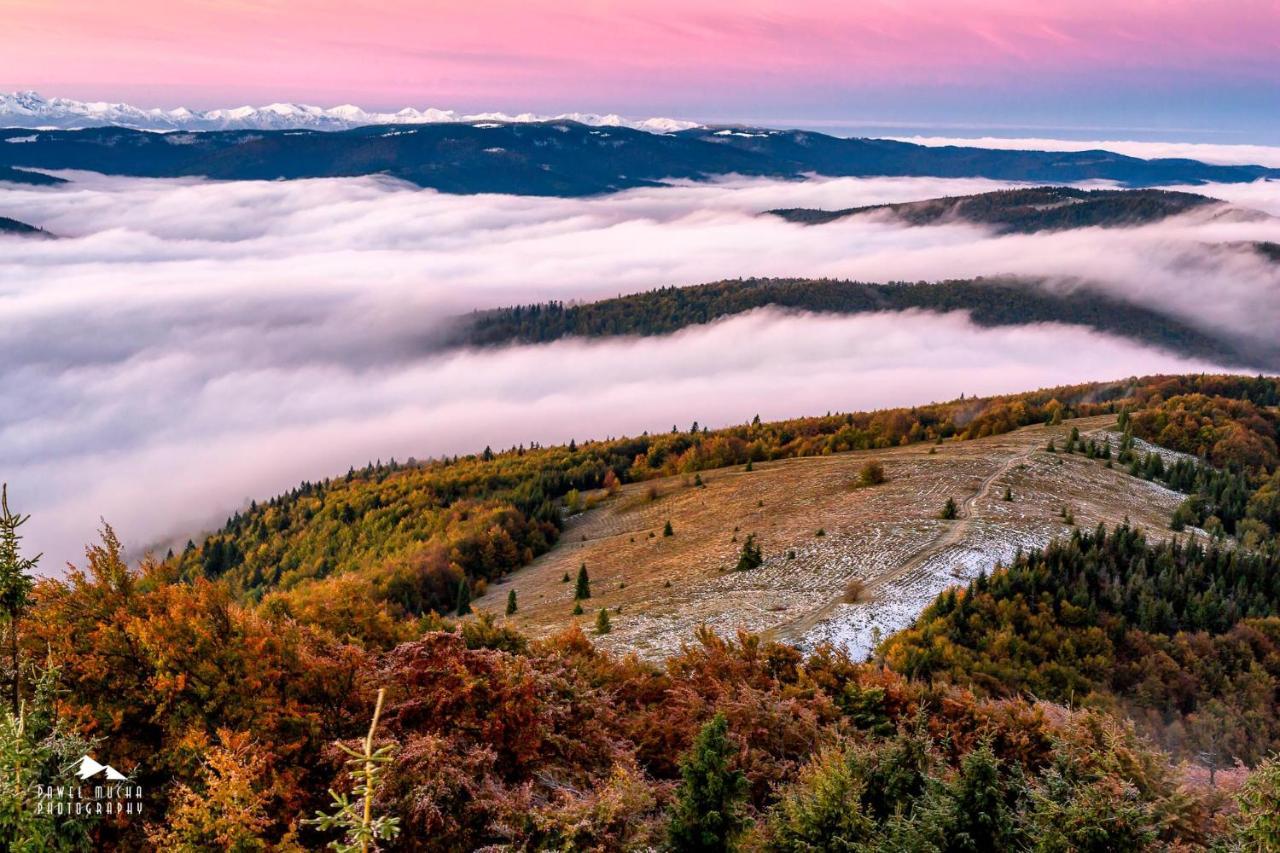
{"x":188,"y":345}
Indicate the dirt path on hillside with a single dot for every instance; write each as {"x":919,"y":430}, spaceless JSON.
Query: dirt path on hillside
{"x":949,"y":537}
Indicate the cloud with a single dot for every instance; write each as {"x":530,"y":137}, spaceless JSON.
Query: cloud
{"x":190,"y":345}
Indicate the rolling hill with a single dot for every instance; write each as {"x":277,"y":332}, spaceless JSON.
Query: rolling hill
{"x":989,"y":301}
{"x":1026,"y":211}
{"x":888,"y":538}
{"x":565,"y":158}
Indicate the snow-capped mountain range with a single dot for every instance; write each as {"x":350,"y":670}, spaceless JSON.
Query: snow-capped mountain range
{"x":32,"y":110}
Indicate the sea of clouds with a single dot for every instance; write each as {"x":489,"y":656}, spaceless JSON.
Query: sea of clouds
{"x":189,"y":345}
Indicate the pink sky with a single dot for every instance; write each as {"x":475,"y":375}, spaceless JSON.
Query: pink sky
{"x":871,"y":57}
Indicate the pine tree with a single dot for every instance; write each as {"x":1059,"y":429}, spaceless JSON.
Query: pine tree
{"x":583,"y":589}
{"x":707,"y":816}
{"x":463,"y":606}
{"x":751,"y":557}
{"x":577,"y":608}
{"x":980,"y":817}
{"x":949,"y":510}
{"x":749,"y":467}
{"x":15,"y":586}
{"x":354,"y":817}
{"x":667,"y":529}
{"x":602,"y":621}
{"x":511,"y":603}
{"x":1008,"y":493}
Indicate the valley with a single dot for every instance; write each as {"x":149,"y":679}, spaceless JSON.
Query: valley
{"x":888,"y":539}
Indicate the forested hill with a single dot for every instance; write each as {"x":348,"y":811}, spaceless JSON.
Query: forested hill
{"x":22,"y":229}
{"x":1026,"y":211}
{"x":23,"y":176}
{"x":991,"y":302}
{"x":564,"y":158}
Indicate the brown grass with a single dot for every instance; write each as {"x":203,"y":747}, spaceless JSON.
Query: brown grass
{"x":675,"y":583}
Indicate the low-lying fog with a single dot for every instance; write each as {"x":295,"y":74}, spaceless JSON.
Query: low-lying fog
{"x":190,"y":345}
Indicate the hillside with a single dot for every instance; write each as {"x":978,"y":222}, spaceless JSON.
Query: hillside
{"x":25,"y":176}
{"x":21,"y":229}
{"x":1026,"y":211}
{"x":231,"y":669}
{"x":565,"y":158}
{"x":888,"y":537}
{"x":406,"y":535}
{"x":989,"y":301}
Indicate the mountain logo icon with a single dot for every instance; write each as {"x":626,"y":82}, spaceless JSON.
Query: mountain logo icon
{"x":89,"y":768}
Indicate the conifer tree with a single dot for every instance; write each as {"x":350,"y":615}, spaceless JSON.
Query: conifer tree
{"x":751,"y":557}
{"x":981,"y":818}
{"x":15,"y":587}
{"x":577,"y":608}
{"x":949,"y":510}
{"x":511,"y":603}
{"x":707,"y":815}
{"x":1008,"y":493}
{"x":602,"y":621}
{"x":667,"y":529}
{"x":463,"y":605}
{"x":583,"y":589}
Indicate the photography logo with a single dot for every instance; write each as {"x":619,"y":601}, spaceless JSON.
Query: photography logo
{"x":103,"y":790}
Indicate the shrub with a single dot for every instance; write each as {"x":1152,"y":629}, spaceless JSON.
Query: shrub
{"x":872,"y":473}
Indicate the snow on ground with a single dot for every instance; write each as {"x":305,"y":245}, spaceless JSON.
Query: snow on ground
{"x":859,"y":628}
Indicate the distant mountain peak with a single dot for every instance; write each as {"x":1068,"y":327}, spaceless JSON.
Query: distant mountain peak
{"x":30,"y":109}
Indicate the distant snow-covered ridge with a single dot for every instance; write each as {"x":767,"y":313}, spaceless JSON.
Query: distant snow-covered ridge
{"x":30,"y":109}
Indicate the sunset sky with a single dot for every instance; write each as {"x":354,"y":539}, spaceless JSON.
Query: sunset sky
{"x":1185,"y":68}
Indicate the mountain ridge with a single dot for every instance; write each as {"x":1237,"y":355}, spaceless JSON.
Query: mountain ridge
{"x":568,"y":158}
{"x":30,"y":109}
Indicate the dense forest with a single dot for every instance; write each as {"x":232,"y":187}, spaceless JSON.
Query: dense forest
{"x":989,"y":301}
{"x":222,"y":680}
{"x":1025,"y":211}
{"x":1182,"y":638}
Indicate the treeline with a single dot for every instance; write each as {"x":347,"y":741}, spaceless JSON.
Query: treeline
{"x":1026,"y":211}
{"x":989,"y":301}
{"x":1238,"y":431}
